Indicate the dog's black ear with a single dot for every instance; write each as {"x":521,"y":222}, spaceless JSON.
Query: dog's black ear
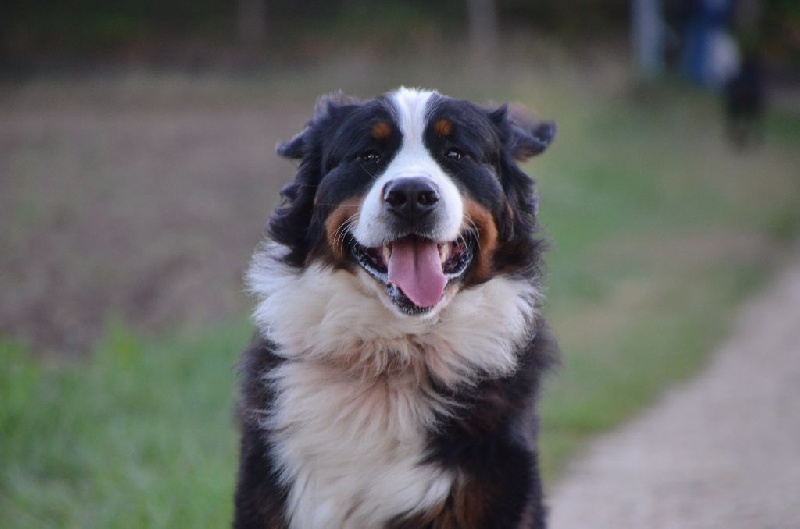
{"x":295,"y":148}
{"x":327,"y":105}
{"x":526,"y":136}
{"x":291,"y":225}
{"x":522,"y":137}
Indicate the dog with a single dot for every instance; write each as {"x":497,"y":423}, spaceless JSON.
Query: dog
{"x":393,"y":378}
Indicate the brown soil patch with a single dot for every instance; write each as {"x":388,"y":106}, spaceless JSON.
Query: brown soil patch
{"x":145,"y":210}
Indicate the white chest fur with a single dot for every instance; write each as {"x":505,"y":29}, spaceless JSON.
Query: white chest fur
{"x":351,"y":449}
{"x":350,"y":441}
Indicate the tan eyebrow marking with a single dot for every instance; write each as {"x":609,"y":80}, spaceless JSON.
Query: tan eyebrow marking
{"x":381,"y":130}
{"x":443,"y":127}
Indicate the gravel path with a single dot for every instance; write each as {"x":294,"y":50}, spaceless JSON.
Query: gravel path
{"x":722,"y":451}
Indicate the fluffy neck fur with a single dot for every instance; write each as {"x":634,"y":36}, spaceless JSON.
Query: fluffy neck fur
{"x":342,"y":322}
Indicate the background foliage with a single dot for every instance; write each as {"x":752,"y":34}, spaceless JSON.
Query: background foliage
{"x":205,"y":31}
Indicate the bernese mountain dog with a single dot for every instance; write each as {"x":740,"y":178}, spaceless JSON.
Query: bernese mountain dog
{"x":393,"y":379}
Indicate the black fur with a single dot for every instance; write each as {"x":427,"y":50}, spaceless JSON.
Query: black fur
{"x":492,"y":439}
{"x":259,"y":498}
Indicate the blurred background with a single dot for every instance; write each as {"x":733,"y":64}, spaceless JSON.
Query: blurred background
{"x":137,"y":170}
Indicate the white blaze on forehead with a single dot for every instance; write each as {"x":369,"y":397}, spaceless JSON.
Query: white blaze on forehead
{"x":411,"y":110}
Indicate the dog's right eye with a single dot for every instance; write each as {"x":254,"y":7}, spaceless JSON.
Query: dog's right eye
{"x":454,"y":154}
{"x":370,"y":156}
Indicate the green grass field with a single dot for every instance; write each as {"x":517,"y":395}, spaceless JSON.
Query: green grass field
{"x":658,"y":230}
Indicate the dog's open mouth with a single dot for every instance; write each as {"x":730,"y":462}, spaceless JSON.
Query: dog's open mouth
{"x":415,"y":270}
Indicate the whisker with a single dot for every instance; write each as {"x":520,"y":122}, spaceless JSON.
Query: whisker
{"x":373,"y":176}
{"x":472,"y":228}
{"x":341,"y":232}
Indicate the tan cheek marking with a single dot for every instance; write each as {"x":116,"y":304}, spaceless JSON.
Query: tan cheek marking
{"x":487,"y":237}
{"x":345,"y":213}
{"x":443,"y":127}
{"x":381,"y":130}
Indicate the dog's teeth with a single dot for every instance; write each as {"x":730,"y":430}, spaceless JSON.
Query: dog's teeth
{"x":387,"y":253}
{"x":444,"y":251}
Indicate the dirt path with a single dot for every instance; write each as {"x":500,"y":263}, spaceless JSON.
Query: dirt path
{"x":722,"y":451}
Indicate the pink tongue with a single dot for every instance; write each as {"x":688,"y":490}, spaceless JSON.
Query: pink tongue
{"x":416,"y":269}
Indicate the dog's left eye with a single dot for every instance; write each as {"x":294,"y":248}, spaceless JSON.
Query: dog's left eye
{"x":369,"y":156}
{"x":453,"y":154}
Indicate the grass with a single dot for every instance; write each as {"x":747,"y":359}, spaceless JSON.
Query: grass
{"x":659,"y":231}
{"x":141,"y":436}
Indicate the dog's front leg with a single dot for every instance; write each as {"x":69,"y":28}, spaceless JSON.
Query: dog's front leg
{"x":259,"y":500}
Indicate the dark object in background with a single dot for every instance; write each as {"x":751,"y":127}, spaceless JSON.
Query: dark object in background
{"x":744,"y":97}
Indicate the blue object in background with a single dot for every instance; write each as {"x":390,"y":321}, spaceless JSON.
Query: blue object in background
{"x":708,"y":22}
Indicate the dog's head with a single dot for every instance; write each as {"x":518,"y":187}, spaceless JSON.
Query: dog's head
{"x":417,"y":193}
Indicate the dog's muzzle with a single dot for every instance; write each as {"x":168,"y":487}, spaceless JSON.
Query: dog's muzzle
{"x":413,"y":265}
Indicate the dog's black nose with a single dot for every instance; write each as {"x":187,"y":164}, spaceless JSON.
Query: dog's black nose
{"x":412,"y":197}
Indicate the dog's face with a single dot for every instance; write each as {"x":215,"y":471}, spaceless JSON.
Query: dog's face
{"x":417,"y":193}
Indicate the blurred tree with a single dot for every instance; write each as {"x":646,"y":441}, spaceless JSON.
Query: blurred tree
{"x":251,"y":22}
{"x":49,"y":31}
{"x":648,"y":37}
{"x":482,"y":15}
